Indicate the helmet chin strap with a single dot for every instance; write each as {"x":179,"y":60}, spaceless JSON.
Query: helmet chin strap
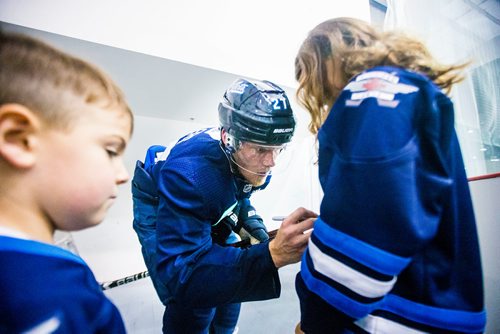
{"x":248,"y":170}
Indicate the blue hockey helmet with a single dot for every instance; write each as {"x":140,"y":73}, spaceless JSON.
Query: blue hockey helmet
{"x":258,"y":112}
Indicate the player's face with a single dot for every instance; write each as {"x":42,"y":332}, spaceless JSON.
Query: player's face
{"x":255,"y":161}
{"x":84,"y":168}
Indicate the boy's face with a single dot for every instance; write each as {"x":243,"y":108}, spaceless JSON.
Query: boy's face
{"x":80,"y":169}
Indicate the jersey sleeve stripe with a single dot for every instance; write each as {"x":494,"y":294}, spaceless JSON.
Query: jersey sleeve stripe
{"x":337,"y":299}
{"x":374,"y":324}
{"x":435,"y":318}
{"x":358,"y":282}
{"x":370,"y":256}
{"x":444,"y":318}
{"x":349,"y":262}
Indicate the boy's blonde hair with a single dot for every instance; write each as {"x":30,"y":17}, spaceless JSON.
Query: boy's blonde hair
{"x":353,"y":46}
{"x":51,"y":83}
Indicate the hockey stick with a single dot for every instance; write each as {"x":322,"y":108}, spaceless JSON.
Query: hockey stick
{"x":129,"y":279}
{"x":124,"y":280}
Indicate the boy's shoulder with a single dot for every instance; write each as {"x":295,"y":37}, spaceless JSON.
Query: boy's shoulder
{"x":50,"y":282}
{"x":37,"y":265}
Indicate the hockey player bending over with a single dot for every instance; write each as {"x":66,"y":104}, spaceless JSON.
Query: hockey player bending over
{"x":192,"y":199}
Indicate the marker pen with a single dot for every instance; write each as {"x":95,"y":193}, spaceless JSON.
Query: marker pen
{"x":281,"y":218}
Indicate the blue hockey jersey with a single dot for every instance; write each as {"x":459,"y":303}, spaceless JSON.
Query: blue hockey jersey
{"x":395,"y":248}
{"x":180,"y":193}
{"x":46,"y":289}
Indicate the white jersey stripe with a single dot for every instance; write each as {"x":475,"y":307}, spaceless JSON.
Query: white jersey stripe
{"x":46,"y":327}
{"x":377,"y":325}
{"x":354,"y":280}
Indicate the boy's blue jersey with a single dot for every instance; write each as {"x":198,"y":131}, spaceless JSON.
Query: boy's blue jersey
{"x":395,"y":245}
{"x":46,"y":289}
{"x":182,"y":192}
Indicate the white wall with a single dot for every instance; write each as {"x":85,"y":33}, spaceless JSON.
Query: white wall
{"x":257,"y":39}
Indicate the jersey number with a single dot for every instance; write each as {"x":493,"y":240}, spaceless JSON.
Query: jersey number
{"x":280,"y":104}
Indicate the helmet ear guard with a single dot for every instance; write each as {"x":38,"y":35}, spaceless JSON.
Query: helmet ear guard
{"x":229,"y":142}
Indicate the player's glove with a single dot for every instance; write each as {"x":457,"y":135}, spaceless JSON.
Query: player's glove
{"x":249,"y":222}
{"x":221,"y":231}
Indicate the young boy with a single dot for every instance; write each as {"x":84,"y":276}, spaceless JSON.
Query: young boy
{"x":63,"y":128}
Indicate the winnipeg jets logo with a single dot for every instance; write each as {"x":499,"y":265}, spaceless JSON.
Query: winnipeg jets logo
{"x":379,"y":85}
{"x":239,"y":88}
{"x":373,"y":84}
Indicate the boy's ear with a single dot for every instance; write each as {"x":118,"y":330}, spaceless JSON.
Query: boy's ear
{"x":19,"y":128}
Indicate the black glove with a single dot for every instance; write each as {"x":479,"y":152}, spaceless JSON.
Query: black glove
{"x":222,"y":229}
{"x":249,"y":221}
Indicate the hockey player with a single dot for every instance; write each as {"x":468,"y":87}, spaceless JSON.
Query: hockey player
{"x":192,"y":198}
{"x":395,"y":248}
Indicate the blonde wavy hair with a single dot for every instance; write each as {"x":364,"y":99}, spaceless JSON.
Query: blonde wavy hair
{"x":346,"y":47}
